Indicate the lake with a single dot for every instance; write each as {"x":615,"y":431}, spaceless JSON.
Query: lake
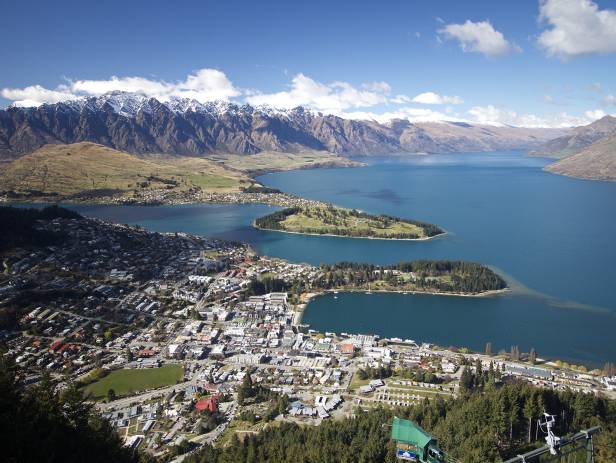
{"x":552,"y":237}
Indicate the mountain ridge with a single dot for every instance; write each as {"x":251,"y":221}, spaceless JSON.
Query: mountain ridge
{"x":595,"y":162}
{"x":141,"y":125}
{"x":579,"y":138}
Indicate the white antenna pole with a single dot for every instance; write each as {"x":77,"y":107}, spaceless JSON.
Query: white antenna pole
{"x":551,"y":439}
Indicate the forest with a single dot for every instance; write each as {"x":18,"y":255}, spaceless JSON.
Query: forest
{"x":427,"y":275}
{"x":40,"y":424}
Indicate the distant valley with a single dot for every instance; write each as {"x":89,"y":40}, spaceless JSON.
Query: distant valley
{"x":588,"y":152}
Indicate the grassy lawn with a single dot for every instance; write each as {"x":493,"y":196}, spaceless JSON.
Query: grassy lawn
{"x":272,"y":161}
{"x":356,"y":383}
{"x":210,"y":182}
{"x":324,"y":220}
{"x":127,"y":381}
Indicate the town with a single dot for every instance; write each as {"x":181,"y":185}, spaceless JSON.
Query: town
{"x":182,"y":340}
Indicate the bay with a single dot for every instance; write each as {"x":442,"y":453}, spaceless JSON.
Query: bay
{"x":551,"y":236}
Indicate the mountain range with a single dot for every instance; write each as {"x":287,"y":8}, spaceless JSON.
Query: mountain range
{"x":587,"y":152}
{"x":142,"y":125}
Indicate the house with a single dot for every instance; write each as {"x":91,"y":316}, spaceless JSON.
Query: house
{"x":347,"y":348}
{"x":145,"y":353}
{"x":209,"y":403}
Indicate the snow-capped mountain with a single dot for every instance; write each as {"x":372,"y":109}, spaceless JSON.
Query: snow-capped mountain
{"x":139,"y":124}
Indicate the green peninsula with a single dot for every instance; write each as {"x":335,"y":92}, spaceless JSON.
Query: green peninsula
{"x":422,"y":276}
{"x":336,"y":221}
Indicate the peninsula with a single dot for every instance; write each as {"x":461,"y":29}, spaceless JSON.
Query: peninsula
{"x":336,"y":221}
{"x":421,"y":276}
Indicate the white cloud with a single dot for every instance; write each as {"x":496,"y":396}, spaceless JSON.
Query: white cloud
{"x":330,"y":98}
{"x":408,"y":113}
{"x":479,"y":37}
{"x":493,"y":115}
{"x":338,"y":98}
{"x":35,"y":95}
{"x":400,"y":99}
{"x":202,"y":85}
{"x":435,"y":98}
{"x":595,"y":114}
{"x":382,"y":87}
{"x":577,"y":27}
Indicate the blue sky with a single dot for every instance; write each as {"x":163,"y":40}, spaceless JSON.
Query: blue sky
{"x":526,"y":62}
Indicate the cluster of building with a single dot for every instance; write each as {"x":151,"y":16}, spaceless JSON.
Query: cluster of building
{"x":116,"y":297}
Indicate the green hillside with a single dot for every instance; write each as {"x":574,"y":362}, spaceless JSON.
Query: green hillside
{"x":68,"y":170}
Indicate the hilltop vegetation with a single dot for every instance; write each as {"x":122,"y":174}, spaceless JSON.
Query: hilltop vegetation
{"x":88,"y":170}
{"x":21,"y":231}
{"x":330,"y":220}
{"x":39,"y":424}
{"x":478,"y":427}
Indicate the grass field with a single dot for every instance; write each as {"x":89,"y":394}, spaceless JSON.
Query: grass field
{"x":274,"y":161}
{"x":338,"y":221}
{"x":356,"y":382}
{"x":127,"y":381}
{"x":71,"y":169}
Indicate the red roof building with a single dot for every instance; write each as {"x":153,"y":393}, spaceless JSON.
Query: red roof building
{"x":55,"y":346}
{"x":209,"y":403}
{"x":347,"y":348}
{"x":145,"y":353}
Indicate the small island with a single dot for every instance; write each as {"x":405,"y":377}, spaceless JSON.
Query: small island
{"x":422,"y":276}
{"x":337,"y":221}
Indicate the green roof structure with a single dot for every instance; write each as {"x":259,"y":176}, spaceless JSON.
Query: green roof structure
{"x":409,"y":432}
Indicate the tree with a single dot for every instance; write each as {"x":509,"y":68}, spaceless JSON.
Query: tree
{"x":609,"y":369}
{"x":488,"y":348}
{"x":532,"y":356}
{"x":111,"y":395}
{"x":245,"y":390}
{"x":282,"y":404}
{"x":466,"y":380}
{"x":529,"y":413}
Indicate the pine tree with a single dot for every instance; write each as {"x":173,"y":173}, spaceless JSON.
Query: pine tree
{"x":529,"y":413}
{"x":488,"y":348}
{"x":532,"y":356}
{"x":466,"y":380}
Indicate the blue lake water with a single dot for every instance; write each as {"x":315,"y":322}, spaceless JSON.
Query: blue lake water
{"x":553,"y":237}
